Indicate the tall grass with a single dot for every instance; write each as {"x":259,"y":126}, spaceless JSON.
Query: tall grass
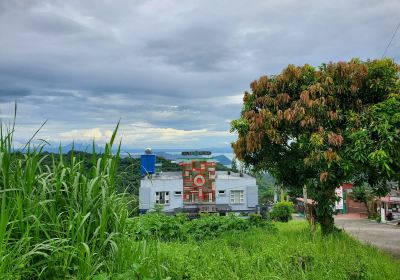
{"x":58,"y":221}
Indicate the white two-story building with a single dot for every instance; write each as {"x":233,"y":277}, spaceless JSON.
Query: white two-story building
{"x":233,"y":193}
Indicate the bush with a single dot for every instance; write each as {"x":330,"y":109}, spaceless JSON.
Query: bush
{"x":255,"y":219}
{"x":282,"y":211}
{"x":163,"y":227}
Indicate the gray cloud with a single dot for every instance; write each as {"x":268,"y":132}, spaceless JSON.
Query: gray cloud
{"x":12,"y":94}
{"x":167,"y":67}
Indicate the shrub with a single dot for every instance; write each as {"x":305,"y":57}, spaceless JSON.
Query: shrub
{"x":255,"y":219}
{"x":163,"y":227}
{"x":282,"y":211}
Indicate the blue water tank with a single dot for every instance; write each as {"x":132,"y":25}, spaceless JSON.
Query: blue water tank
{"x":147,"y":164}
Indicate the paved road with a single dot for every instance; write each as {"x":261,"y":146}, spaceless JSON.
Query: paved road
{"x":385,"y":237}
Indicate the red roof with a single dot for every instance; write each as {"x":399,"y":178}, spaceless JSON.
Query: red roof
{"x":390,"y":199}
{"x":347,"y":186}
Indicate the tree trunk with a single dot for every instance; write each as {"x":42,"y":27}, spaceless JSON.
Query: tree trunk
{"x":325,"y":199}
{"x":327,"y":224}
{"x":367,"y":207}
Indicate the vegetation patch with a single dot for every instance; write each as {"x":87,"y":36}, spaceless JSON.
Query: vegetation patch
{"x":156,"y":225}
{"x":291,"y":252}
{"x":282,"y":211}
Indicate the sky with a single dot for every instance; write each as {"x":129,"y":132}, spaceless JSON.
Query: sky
{"x":173,"y":72}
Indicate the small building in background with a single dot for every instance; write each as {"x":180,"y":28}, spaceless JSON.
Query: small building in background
{"x":350,"y":205}
{"x":390,"y":206}
{"x":198,"y":188}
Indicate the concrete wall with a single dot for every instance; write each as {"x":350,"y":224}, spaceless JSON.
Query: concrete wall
{"x":148,"y":188}
{"x":247,"y":184}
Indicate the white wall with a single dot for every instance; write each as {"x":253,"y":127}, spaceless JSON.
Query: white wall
{"x":148,"y":189}
{"x":246,"y":184}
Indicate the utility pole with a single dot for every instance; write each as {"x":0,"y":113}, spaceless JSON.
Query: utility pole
{"x":305,"y":202}
{"x":276,"y":194}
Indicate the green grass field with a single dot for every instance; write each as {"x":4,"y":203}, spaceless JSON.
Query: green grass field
{"x":292,"y":252}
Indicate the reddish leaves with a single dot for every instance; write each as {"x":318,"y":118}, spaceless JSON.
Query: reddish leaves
{"x":335,"y":139}
{"x":305,"y":97}
{"x":332,"y":115}
{"x":323,"y":177}
{"x":331,"y":156}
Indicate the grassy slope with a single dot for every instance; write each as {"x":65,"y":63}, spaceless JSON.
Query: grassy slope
{"x":260,"y":255}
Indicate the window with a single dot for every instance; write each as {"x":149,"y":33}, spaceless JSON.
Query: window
{"x":221,"y":192}
{"x":237,"y":197}
{"x":193,"y":197}
{"x":162,"y":197}
{"x":178,"y":193}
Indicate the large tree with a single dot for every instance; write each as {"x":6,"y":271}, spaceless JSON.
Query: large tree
{"x":296,"y":124}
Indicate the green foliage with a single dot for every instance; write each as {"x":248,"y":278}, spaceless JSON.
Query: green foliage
{"x":374,"y":145}
{"x":58,"y":219}
{"x":158,"y":208}
{"x":266,"y":187}
{"x":362,"y":193}
{"x":234,"y":166}
{"x":255,"y":219}
{"x":289,"y":253}
{"x":308,"y":126}
{"x":282,"y":211}
{"x":163,"y":227}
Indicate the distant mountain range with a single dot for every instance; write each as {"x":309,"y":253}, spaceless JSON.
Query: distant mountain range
{"x":89,"y":147}
{"x":81,"y":147}
{"x":169,"y":154}
{"x":224,"y":160}
{"x":155,"y":150}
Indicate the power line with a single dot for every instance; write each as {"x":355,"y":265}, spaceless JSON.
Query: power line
{"x":391,"y":40}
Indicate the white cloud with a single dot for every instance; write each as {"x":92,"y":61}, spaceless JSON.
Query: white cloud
{"x":144,"y":134}
{"x":82,"y":134}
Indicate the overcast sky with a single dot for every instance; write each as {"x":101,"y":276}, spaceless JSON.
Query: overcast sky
{"x":173,"y":71}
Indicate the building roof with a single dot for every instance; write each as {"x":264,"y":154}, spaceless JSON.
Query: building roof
{"x":391,"y":199}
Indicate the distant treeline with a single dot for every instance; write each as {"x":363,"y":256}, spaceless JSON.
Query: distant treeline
{"x":128,"y":172}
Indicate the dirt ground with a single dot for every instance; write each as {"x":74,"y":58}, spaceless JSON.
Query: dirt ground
{"x":385,"y":237}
